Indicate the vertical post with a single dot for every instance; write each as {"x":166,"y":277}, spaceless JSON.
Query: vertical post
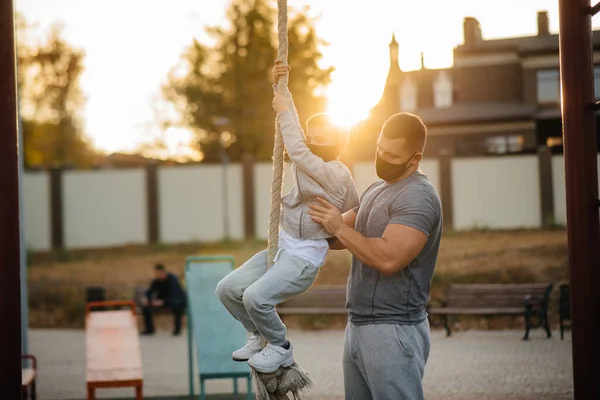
{"x":10,"y":302}
{"x":225,"y":189}
{"x":56,"y":208}
{"x":249,"y":213}
{"x":23,"y":246}
{"x":445,"y":168}
{"x":190,"y":347}
{"x":152,"y":202}
{"x":579,"y":138}
{"x":546,"y":186}
{"x":24,"y":291}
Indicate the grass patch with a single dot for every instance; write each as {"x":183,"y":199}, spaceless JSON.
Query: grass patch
{"x":57,"y":280}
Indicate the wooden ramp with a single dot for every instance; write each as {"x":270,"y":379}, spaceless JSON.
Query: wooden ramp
{"x":112,"y":346}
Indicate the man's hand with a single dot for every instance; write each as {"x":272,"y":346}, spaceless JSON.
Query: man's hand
{"x":158,"y":303}
{"x":144,"y":301}
{"x":279,"y":70}
{"x":327,"y":215}
{"x":281,"y":103}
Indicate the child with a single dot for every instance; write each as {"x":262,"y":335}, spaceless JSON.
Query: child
{"x":251,"y":292}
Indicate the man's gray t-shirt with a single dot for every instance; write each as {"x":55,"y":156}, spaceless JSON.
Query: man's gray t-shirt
{"x":373,"y":298}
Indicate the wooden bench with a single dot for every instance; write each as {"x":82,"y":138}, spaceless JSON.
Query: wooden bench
{"x":529,"y":300}
{"x":318,"y":300}
{"x":564,"y":307}
{"x":28,"y":376}
{"x":138,"y":294}
{"x":112,"y":344}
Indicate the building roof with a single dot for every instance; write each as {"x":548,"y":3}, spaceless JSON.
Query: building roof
{"x":523,"y":44}
{"x":477,"y":112}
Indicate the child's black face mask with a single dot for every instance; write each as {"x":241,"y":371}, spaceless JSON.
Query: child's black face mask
{"x":327,"y":153}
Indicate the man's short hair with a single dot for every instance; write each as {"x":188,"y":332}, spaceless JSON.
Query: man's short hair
{"x":322,"y":121}
{"x":406,"y":126}
{"x":159,"y":267}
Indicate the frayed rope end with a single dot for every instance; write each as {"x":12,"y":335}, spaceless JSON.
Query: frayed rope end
{"x":282,"y":384}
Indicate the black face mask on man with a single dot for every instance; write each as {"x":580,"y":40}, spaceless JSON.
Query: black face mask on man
{"x":390,"y":172}
{"x":327,"y":153}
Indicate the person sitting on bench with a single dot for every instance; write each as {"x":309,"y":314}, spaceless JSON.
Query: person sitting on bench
{"x":165,"y":291}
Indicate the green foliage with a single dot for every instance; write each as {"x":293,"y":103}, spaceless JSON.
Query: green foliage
{"x":51,"y":99}
{"x":227,"y":87}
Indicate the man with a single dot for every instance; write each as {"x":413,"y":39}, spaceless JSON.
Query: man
{"x":164,"y":291}
{"x":394,"y":236}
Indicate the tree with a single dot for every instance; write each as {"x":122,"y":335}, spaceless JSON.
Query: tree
{"x":223,"y":92}
{"x":51,"y":100}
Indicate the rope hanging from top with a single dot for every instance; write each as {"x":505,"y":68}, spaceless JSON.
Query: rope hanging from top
{"x":284,"y":382}
{"x":277,"y":182}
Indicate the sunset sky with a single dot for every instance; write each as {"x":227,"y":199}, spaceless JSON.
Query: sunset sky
{"x":131,"y":45}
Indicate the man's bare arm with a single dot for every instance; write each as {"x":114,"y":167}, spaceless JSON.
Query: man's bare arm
{"x":399,"y":245}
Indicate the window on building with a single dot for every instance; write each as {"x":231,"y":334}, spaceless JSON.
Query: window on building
{"x":504,"y":144}
{"x":548,"y":86}
{"x":597,"y":81}
{"x":442,"y":90}
{"x":477,"y":145}
{"x":554,"y":142}
{"x":408,"y":95}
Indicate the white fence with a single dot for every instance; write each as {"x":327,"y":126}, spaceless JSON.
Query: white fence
{"x":558,"y":187}
{"x":496,"y":193}
{"x":109,"y":207}
{"x":191,"y":203}
{"x":104,"y":208}
{"x":37,"y":215}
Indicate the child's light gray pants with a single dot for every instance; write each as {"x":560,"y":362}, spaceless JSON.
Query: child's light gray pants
{"x":251,"y":292}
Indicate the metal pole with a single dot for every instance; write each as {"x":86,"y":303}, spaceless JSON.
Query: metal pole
{"x":579,"y":138}
{"x":23,"y":248}
{"x":10,"y":302}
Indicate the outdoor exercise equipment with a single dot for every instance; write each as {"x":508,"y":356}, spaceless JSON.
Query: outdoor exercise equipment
{"x":291,"y":380}
{"x":112,"y":348}
{"x":581,"y":177}
{"x":211,"y":330}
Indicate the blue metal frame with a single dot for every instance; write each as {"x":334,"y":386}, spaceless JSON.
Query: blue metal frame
{"x":203,"y":377}
{"x":23,"y":242}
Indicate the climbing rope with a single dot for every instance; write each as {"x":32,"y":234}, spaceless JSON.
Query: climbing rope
{"x":284,"y":382}
{"x":277,"y":182}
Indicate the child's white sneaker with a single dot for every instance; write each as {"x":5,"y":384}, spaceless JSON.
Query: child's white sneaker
{"x":252,"y":347}
{"x":271,"y":358}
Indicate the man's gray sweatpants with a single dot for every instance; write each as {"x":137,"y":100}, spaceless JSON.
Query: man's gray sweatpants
{"x":251,"y":292}
{"x":385,"y":362}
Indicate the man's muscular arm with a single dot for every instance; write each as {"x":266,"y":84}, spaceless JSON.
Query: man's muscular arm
{"x":398,"y":246}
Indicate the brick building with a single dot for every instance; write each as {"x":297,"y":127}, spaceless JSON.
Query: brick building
{"x":501,"y":96}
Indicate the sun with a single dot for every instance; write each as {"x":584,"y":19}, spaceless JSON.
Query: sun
{"x":345,"y":118}
{"x":349,"y":100}
{"x":344,"y":112}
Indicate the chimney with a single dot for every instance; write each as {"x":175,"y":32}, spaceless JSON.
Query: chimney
{"x":543,"y":24}
{"x":472,"y":31}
